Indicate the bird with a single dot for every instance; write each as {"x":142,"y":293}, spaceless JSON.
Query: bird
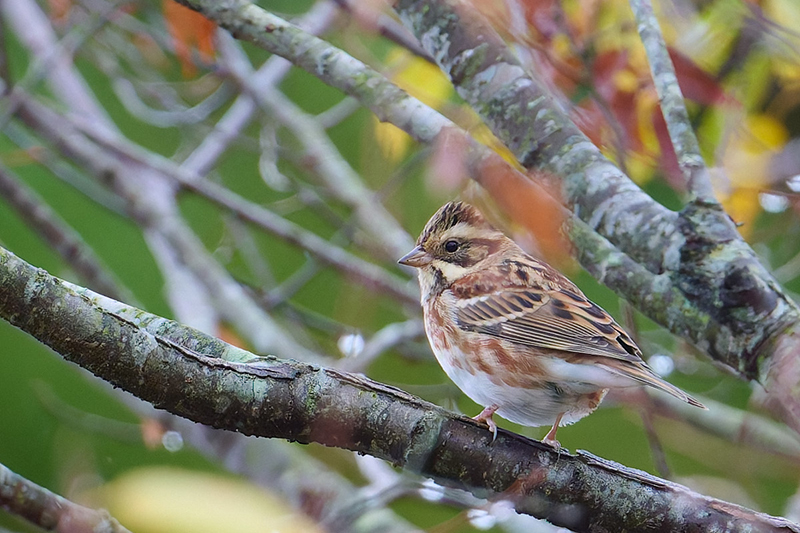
{"x":514,"y":334}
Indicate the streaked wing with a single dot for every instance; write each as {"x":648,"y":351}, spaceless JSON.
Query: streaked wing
{"x":553,"y":319}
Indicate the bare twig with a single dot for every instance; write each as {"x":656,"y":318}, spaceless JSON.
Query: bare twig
{"x":681,"y":133}
{"x":61,"y":237}
{"x":63,"y":170}
{"x":381,"y":341}
{"x":166,"y":118}
{"x":53,"y":59}
{"x":388,"y":27}
{"x":68,"y":84}
{"x":364,"y":271}
{"x":242,"y":111}
{"x":733,"y":425}
{"x":50,"y":511}
{"x":367,"y":273}
{"x":322,"y":156}
{"x":337,"y":113}
{"x":155,"y":211}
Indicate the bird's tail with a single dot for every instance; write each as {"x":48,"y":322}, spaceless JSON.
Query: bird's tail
{"x":645,"y":375}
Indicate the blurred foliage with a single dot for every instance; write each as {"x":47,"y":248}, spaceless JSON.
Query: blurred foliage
{"x":738,"y":63}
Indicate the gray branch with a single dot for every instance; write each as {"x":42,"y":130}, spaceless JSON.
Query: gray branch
{"x":50,"y":511}
{"x":676,"y":116}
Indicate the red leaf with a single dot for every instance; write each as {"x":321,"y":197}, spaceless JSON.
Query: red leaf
{"x":189,"y":30}
{"x":696,"y":84}
{"x":532,"y":204}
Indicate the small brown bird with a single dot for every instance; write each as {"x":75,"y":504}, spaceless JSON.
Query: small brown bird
{"x":515,"y":335}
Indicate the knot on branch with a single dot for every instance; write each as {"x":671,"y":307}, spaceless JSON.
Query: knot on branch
{"x":743,"y":288}
{"x":724,"y":278}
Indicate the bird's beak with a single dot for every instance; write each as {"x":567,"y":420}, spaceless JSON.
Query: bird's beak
{"x":417,"y":258}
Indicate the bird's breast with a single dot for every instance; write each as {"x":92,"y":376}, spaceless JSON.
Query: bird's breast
{"x":502,"y":362}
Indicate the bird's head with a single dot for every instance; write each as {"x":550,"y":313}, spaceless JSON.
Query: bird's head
{"x":456,"y":242}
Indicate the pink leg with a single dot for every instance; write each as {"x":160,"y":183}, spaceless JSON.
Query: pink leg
{"x":550,"y":438}
{"x":486,"y":417}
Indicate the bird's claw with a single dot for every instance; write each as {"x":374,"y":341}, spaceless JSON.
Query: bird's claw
{"x":485,"y":416}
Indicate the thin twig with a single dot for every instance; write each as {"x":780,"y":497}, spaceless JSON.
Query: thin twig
{"x":48,"y":510}
{"x":67,"y":242}
{"x":242,"y":111}
{"x":322,"y":157}
{"x":154,"y":209}
{"x":52,"y":59}
{"x":388,"y":27}
{"x":63,"y":170}
{"x":166,"y":118}
{"x":732,"y":425}
{"x":681,"y":133}
{"x":367,"y":273}
{"x":337,"y":113}
{"x":382,"y":340}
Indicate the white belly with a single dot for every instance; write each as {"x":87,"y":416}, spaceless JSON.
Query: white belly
{"x":529,"y":407}
{"x":570,"y":390}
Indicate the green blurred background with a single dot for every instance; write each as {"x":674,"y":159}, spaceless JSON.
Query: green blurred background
{"x":67,"y":431}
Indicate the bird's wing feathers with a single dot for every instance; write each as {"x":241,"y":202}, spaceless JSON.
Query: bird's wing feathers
{"x":552,"y":319}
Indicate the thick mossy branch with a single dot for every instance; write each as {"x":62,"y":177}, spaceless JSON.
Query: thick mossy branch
{"x":719,"y":273}
{"x":698,"y":249}
{"x":521,"y":111}
{"x":286,"y":399}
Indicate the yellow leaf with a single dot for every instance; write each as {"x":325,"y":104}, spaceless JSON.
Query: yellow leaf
{"x":743,"y":207}
{"x":646,"y":104}
{"x":708,"y":38}
{"x":640,"y":166}
{"x":763,"y":132}
{"x":784,"y":12}
{"x":392,"y":141}
{"x":419,"y":78}
{"x":748,"y":153}
{"x":170,"y":500}
{"x":484,"y":135}
{"x":626,"y":81}
{"x":784,"y":56}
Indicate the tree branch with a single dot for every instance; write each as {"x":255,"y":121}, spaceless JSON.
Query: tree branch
{"x":50,"y":511}
{"x":322,"y":157}
{"x":684,"y":141}
{"x":277,"y":398}
{"x":60,"y":236}
{"x":242,"y":111}
{"x":69,"y":136}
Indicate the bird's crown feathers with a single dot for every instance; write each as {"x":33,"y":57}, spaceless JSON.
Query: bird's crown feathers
{"x":449,"y":216}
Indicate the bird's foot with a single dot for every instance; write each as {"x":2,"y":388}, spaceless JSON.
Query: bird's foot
{"x":550,"y":438}
{"x":485,"y":416}
{"x":553,"y":443}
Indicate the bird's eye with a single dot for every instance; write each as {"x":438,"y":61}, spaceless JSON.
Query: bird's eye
{"x":451,"y":246}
